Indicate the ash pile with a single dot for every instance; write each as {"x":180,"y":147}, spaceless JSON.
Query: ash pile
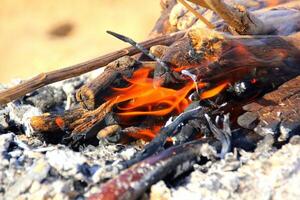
{"x":210,"y":110}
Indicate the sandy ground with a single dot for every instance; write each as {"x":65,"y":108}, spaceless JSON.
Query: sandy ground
{"x":40,"y":35}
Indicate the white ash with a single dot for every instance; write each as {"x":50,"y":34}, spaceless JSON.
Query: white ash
{"x":65,"y":160}
{"x":20,"y":114}
{"x":257,"y":175}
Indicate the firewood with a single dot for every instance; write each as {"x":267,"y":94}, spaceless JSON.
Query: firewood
{"x":214,"y":56}
{"x":81,"y":68}
{"x":76,"y":121}
{"x":92,"y":117}
{"x":53,"y":122}
{"x":147,"y":172}
{"x":90,"y":94}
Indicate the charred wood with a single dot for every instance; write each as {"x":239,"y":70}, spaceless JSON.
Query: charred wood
{"x":72,"y":121}
{"x":158,"y":142}
{"x":90,"y":95}
{"x":214,"y":56}
{"x":133,"y":182}
{"x":276,"y":113}
{"x":53,"y":122}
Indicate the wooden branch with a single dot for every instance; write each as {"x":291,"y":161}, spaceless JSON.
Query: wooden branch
{"x":76,"y":70}
{"x":53,"y":122}
{"x":200,"y":3}
{"x":237,"y":17}
{"x":76,"y":121}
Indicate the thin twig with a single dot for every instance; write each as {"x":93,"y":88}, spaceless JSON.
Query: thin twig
{"x":139,"y":47}
{"x":197,"y":14}
{"x":76,"y":70}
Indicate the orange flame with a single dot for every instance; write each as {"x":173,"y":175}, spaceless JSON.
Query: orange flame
{"x":143,"y":98}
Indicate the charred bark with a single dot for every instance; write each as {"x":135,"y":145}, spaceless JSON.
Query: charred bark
{"x":213,"y":56}
{"x":90,"y":95}
{"x":276,"y":113}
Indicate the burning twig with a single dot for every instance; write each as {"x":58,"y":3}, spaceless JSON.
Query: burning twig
{"x":75,"y":121}
{"x":76,"y":70}
{"x":54,"y":122}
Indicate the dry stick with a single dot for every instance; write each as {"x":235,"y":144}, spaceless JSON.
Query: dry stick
{"x":197,"y":14}
{"x":237,"y":17}
{"x":200,"y":3}
{"x":76,"y":70}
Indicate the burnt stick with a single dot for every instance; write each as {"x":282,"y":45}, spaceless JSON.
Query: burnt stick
{"x":133,"y":182}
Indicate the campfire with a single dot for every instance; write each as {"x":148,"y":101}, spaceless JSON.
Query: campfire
{"x":210,"y":74}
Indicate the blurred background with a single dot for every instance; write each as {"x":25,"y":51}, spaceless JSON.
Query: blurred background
{"x":41,"y":35}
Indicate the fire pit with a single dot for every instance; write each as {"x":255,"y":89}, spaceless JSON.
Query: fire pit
{"x":208,"y":108}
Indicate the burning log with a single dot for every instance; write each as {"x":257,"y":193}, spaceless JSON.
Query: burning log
{"x":276,"y":113}
{"x":90,"y":95}
{"x":213,"y":56}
